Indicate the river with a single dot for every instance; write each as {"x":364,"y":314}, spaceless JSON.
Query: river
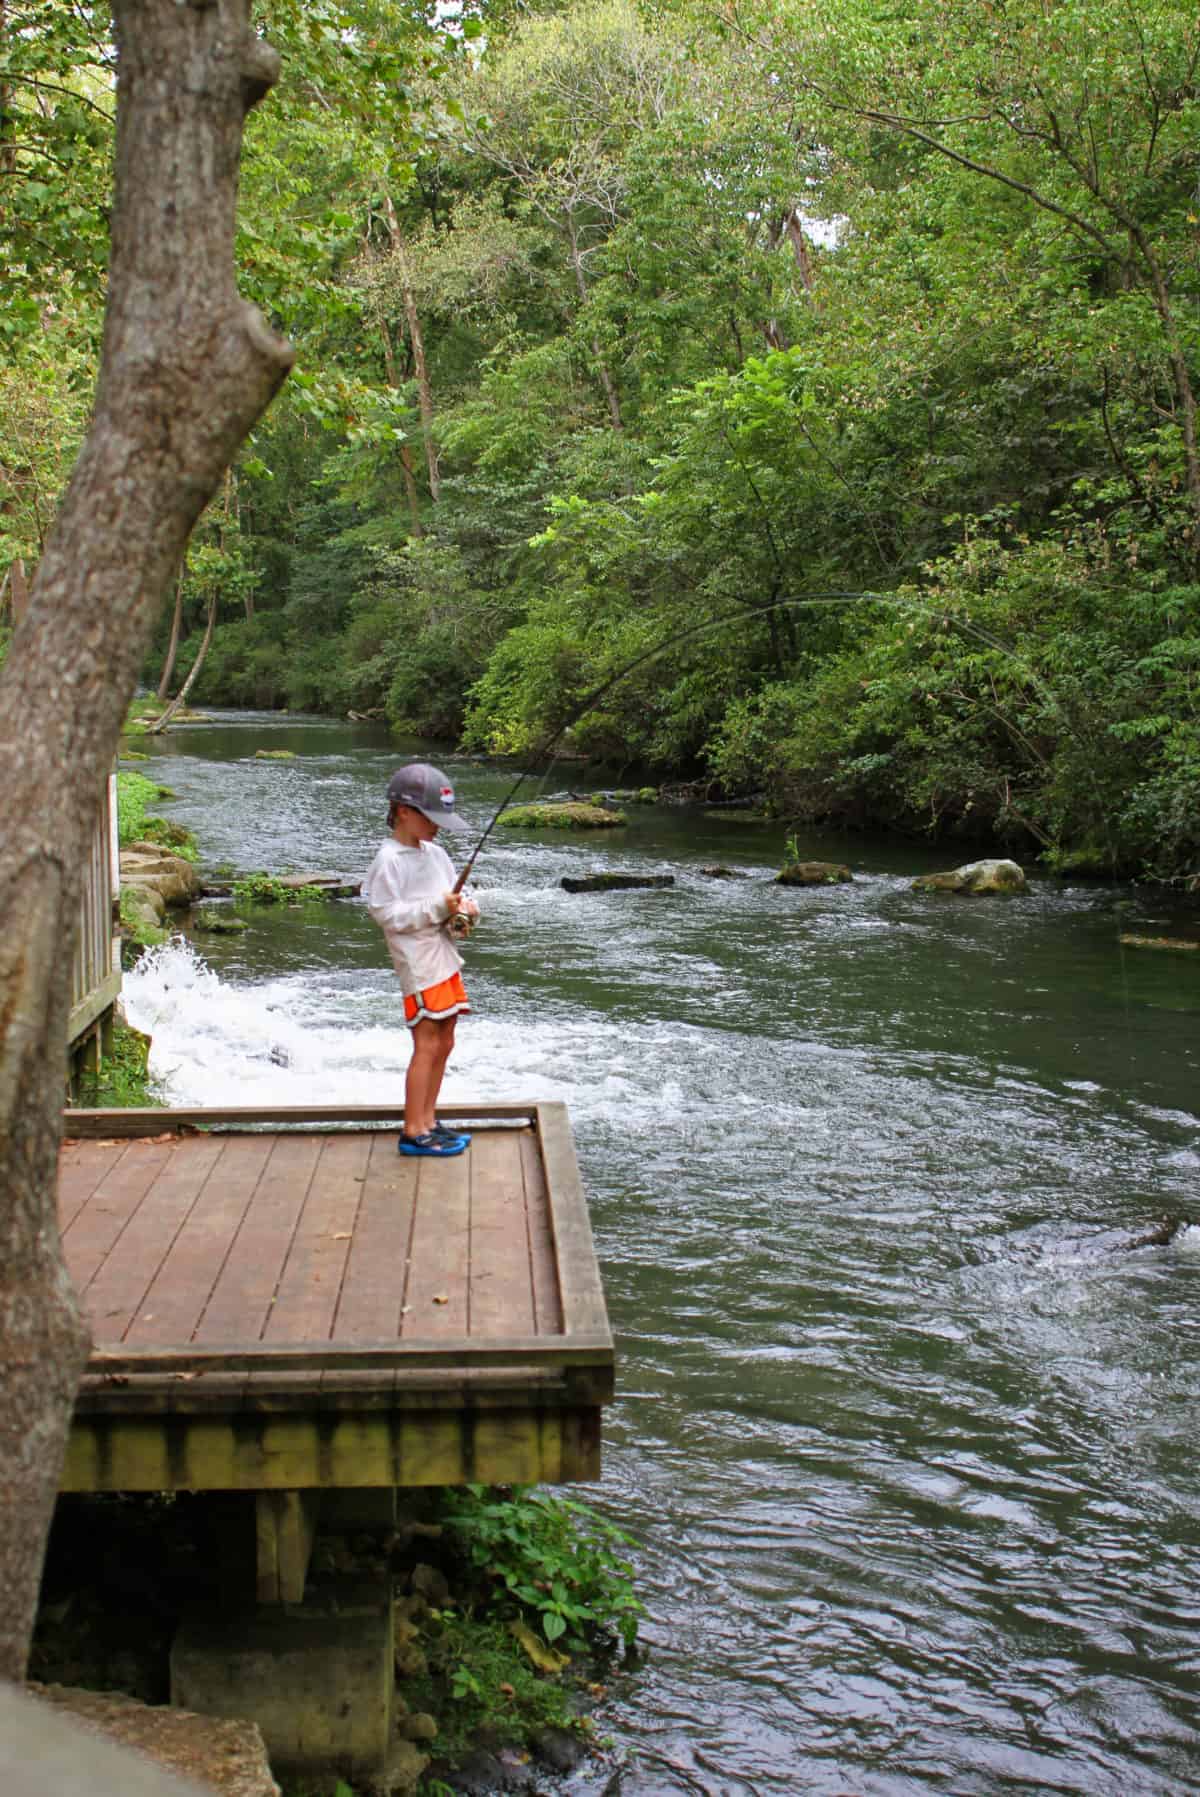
{"x":908,"y":1452}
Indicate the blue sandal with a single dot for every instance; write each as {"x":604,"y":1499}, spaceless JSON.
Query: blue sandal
{"x":440,"y":1147}
{"x":449,"y":1135}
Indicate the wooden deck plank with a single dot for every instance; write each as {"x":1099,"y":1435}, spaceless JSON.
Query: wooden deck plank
{"x":547,"y":1299}
{"x":145,"y":1122}
{"x":245,"y":1290}
{"x":574,"y":1250}
{"x":436,"y":1295}
{"x":372,"y":1295}
{"x":108,"y":1211}
{"x":311,"y":1281}
{"x":117,"y":1292}
{"x":81,"y":1167}
{"x":501,"y":1288}
{"x":181,"y":1288}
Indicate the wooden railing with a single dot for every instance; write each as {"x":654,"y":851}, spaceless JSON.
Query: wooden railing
{"x":96,"y":978}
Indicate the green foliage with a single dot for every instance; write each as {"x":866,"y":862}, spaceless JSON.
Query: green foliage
{"x":175,"y":837}
{"x":480,"y":1681}
{"x":869,"y":337}
{"x":122,"y":1081}
{"x":134,"y":793}
{"x":269,"y":889}
{"x":557,"y":1561}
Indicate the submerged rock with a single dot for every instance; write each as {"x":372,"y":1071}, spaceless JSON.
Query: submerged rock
{"x":615,"y":882}
{"x":1158,"y":942}
{"x":274,"y":755}
{"x":976,"y":877}
{"x":814,"y":873}
{"x":1155,"y":1235}
{"x":217,"y":920}
{"x":570,"y":816}
{"x":717,"y":872}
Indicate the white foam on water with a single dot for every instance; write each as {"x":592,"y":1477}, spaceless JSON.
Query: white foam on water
{"x":1188,"y":1239}
{"x":313,"y":1039}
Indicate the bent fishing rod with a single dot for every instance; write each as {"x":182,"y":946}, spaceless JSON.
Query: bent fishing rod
{"x":460,"y":924}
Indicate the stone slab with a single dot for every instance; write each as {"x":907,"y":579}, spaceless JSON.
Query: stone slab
{"x":228,"y":1756}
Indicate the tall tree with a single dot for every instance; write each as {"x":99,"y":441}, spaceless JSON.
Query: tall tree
{"x":187,"y":366}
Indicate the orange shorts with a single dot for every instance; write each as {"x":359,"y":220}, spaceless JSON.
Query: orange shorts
{"x":447,"y":999}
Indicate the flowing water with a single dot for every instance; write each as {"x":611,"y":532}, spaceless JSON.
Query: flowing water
{"x":906,"y":1444}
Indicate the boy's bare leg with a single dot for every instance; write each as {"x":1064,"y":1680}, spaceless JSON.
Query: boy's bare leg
{"x":432,"y":1042}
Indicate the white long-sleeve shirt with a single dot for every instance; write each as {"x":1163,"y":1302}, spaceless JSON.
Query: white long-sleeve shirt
{"x":405,"y":890}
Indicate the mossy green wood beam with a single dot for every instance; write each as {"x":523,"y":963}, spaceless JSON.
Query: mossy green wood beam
{"x":282,"y":1453}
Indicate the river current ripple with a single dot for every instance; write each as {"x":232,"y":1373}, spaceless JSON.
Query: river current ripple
{"x":906,"y":1443}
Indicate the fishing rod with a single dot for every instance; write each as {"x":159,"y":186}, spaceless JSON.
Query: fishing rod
{"x":461,"y":925}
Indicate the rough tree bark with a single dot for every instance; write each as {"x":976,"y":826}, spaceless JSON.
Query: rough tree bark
{"x":186,"y":368}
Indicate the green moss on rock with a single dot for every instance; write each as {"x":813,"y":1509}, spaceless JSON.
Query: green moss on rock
{"x":561,"y":817}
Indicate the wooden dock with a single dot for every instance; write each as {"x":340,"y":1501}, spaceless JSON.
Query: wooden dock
{"x":281,"y":1303}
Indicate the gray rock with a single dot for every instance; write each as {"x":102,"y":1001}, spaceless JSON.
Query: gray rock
{"x":717,"y":872}
{"x":218,"y":921}
{"x":813,"y":873}
{"x":560,"y":1749}
{"x":431,"y":1584}
{"x":420,"y":1726}
{"x":149,"y":864}
{"x":222,"y":1756}
{"x":143,"y":900}
{"x":976,"y":877}
{"x":616,"y":882}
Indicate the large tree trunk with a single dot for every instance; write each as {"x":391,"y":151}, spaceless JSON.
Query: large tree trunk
{"x":186,"y":368}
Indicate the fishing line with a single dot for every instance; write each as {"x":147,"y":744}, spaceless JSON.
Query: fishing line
{"x":593,"y":698}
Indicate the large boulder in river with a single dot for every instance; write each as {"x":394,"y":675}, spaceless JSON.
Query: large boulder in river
{"x":976,"y":877}
{"x":561,"y":817}
{"x":813,"y":873}
{"x":149,"y":864}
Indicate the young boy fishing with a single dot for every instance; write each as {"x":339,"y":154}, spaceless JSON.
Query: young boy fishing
{"x":409,"y":891}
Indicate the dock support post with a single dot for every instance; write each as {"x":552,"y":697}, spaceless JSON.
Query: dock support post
{"x":284,"y":1525}
{"x":318,"y":1678}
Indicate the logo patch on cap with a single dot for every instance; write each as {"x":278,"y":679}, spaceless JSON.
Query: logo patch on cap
{"x":447,"y":797}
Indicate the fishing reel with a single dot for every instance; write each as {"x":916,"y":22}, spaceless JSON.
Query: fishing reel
{"x":462,"y":923}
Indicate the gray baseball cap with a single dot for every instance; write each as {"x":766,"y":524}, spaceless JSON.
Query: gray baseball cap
{"x":427,"y":790}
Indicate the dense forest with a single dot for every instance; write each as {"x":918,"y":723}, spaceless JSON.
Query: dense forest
{"x":847,"y":354}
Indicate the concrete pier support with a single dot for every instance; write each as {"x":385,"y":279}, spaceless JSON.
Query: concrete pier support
{"x":317,"y":1678}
